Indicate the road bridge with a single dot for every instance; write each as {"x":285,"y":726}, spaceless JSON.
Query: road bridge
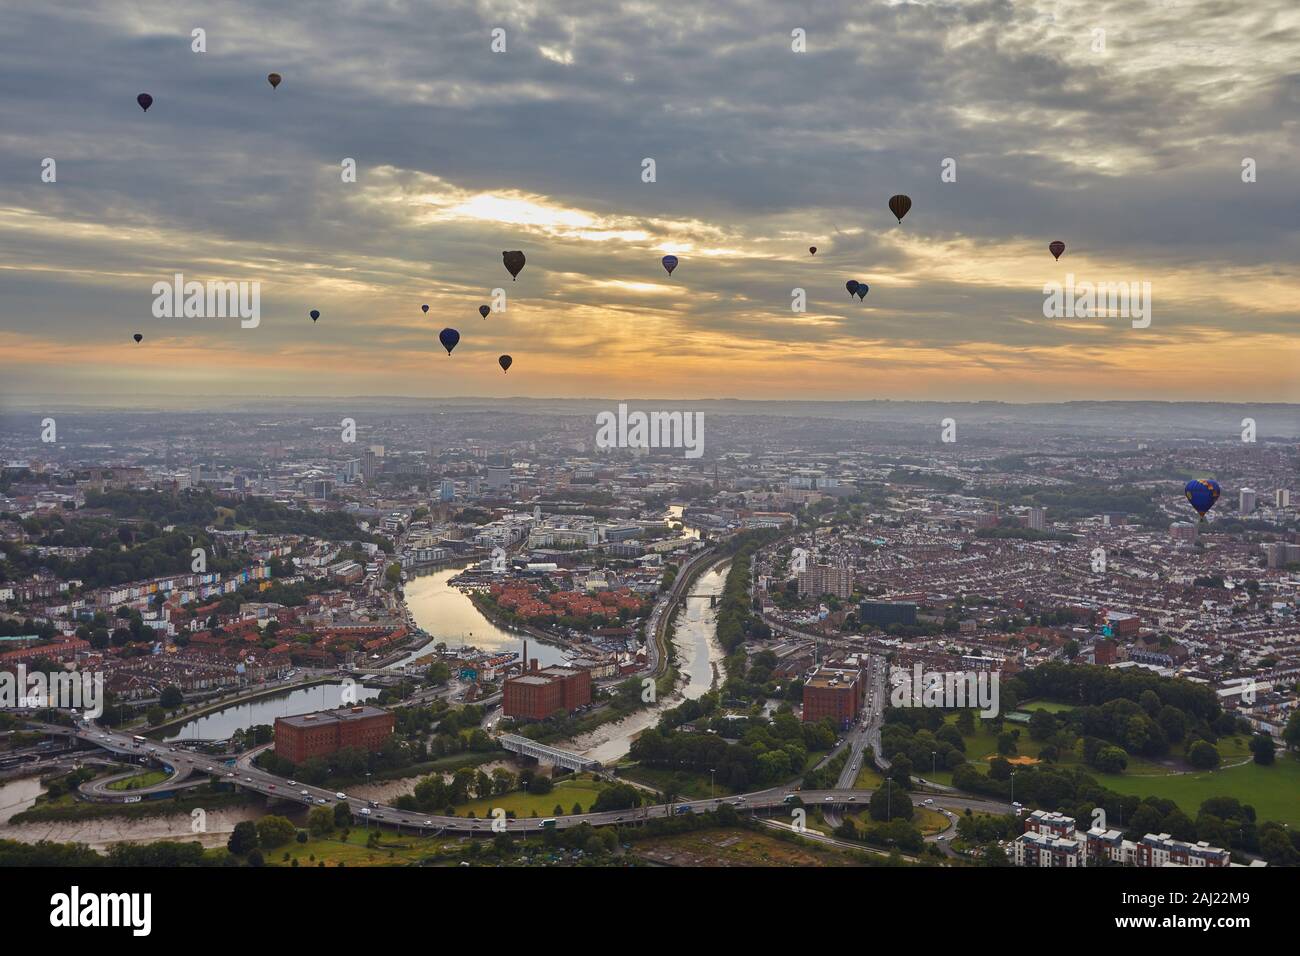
{"x":552,"y":755}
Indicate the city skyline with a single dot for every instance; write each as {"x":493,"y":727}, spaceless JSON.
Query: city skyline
{"x":760,"y":152}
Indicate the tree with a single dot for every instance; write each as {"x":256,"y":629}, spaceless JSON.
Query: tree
{"x":1111,"y":760}
{"x":342,"y":814}
{"x":273,"y":831}
{"x":1042,"y":724}
{"x":1203,"y":755}
{"x":243,"y":838}
{"x":171,"y":697}
{"x":1291,"y":735}
{"x":890,"y":803}
{"x":1262,"y":746}
{"x":320,"y":821}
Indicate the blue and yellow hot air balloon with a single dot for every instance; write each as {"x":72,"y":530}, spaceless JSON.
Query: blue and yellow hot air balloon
{"x":1202,"y":493}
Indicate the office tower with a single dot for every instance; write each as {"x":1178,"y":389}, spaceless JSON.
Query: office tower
{"x":1247,"y":503}
{"x":1283,"y":498}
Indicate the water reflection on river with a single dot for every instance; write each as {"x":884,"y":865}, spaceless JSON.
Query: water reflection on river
{"x":221,"y":724}
{"x":447,"y":613}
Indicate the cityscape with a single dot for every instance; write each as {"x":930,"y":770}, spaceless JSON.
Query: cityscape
{"x":482,"y":637}
{"x":481,"y":438}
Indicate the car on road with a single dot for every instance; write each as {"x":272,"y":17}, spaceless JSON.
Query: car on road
{"x":304,"y":793}
{"x":927,"y":803}
{"x":827,"y":799}
{"x":365,"y":811}
{"x":340,"y":796}
{"x":248,"y":780}
{"x":231,"y":774}
{"x":428,"y":823}
{"x":320,"y":801}
{"x":272,"y":787}
{"x":292,"y":784}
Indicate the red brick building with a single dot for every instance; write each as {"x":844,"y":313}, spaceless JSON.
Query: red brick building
{"x":833,"y":693}
{"x":536,"y":694}
{"x":304,"y":736}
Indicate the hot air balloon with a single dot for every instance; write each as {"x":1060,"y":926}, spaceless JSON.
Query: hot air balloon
{"x":145,"y":101}
{"x":137,"y":336}
{"x":514,"y":263}
{"x":505,"y":362}
{"x":314,"y":315}
{"x":899,"y":205}
{"x":273,"y":79}
{"x":449,"y":338}
{"x":812,"y":250}
{"x":670,"y":263}
{"x":1202,"y":493}
{"x":483,"y":310}
{"x":424,"y":308}
{"x":1056,"y":248}
{"x":863,"y":289}
{"x":852,"y":286}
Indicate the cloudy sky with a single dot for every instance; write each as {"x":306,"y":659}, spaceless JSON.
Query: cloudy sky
{"x":1128,"y":145}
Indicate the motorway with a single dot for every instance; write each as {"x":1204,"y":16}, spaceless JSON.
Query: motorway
{"x":248,"y":777}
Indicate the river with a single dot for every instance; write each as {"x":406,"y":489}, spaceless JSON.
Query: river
{"x":446,"y":612}
{"x":220,"y":724}
{"x":697,"y":654}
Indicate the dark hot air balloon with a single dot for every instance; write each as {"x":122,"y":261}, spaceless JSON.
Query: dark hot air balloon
{"x":314,"y":315}
{"x":424,"y":308}
{"x":449,"y":338}
{"x":483,"y":310}
{"x":670,"y":263}
{"x":899,"y":205}
{"x":514,"y":263}
{"x":273,"y":79}
{"x":137,"y":336}
{"x":145,"y":101}
{"x":1056,"y":248}
{"x":852,"y":286}
{"x":812,"y":250}
{"x":862,"y":291}
{"x":1202,"y":493}
{"x":505,"y":362}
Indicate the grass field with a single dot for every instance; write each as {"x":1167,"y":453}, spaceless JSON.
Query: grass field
{"x":868,"y":778}
{"x":692,"y":785}
{"x":923,"y":818}
{"x":1272,"y":791}
{"x":1051,"y":706}
{"x":146,"y":779}
{"x":734,"y":847}
{"x":929,"y":821}
{"x":393,"y":850}
{"x":581,"y":789}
